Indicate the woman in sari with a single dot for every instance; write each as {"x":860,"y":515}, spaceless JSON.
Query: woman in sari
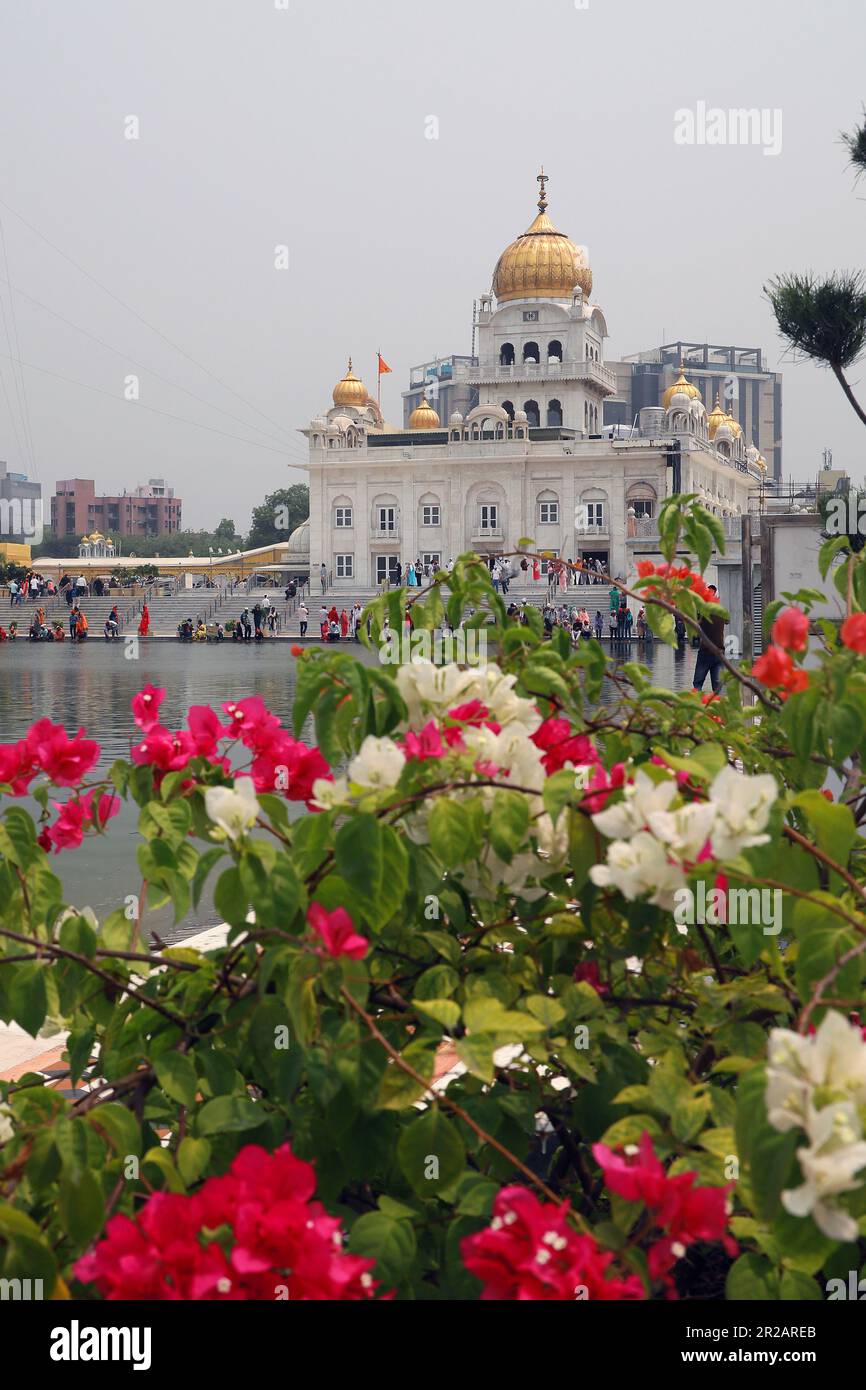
{"x":144,"y":625}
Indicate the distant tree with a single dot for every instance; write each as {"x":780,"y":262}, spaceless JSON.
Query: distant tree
{"x":825,"y":319}
{"x":226,"y":530}
{"x":278,"y":515}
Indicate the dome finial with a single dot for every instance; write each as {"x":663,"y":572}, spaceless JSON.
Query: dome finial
{"x":542,"y":180}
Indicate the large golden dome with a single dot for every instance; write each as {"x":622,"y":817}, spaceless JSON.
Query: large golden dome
{"x":424,"y":417}
{"x":350,"y":391}
{"x":680,"y":386}
{"x":715,"y":418}
{"x":542,"y":263}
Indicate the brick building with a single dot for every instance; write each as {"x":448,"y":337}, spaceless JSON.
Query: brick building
{"x":149,"y":510}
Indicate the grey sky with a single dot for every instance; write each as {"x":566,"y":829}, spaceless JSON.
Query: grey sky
{"x":306,"y":127}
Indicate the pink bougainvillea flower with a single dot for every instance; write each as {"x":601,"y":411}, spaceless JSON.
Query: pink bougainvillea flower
{"x":791,"y":630}
{"x":560,"y":746}
{"x":424,"y":745}
{"x":17,"y":766}
{"x":81,"y":813}
{"x":145,"y":706}
{"x":205,"y":728}
{"x":529,"y":1252}
{"x":288,"y":767}
{"x":164,"y":750}
{"x":600,"y":786}
{"x":337,"y":932}
{"x":251,"y":721}
{"x":272,"y":1237}
{"x":65,"y":760}
{"x":588,"y":972}
{"x":853,"y":632}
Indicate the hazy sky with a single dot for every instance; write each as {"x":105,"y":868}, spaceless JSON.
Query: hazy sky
{"x":306,"y":126}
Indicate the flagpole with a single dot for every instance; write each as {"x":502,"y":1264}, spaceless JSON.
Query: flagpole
{"x":379,"y":376}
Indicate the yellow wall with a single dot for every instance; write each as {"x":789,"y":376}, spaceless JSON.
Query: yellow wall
{"x":14,"y":553}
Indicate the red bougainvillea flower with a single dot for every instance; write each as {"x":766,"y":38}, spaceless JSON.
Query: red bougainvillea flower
{"x":206,"y":729}
{"x":424,"y":745}
{"x":17,"y":766}
{"x":561,"y":746}
{"x":587,"y":970}
{"x":529,"y":1252}
{"x":296,"y":650}
{"x":254,"y":1233}
{"x":162,"y":749}
{"x":474,"y":713}
{"x":252,"y":722}
{"x":695,"y":582}
{"x":289,"y":767}
{"x":80,"y":814}
{"x":774,"y":668}
{"x":684,"y":1212}
{"x":601,"y":784}
{"x":853,"y":632}
{"x":337,"y":932}
{"x":66,"y":760}
{"x":791,"y":630}
{"x":145,"y":706}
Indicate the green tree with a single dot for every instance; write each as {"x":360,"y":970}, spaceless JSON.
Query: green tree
{"x":226,"y":530}
{"x":279,"y":514}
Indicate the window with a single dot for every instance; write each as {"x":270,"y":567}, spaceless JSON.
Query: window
{"x":531,"y":353}
{"x":554,"y":413}
{"x":506,"y":355}
{"x":387,"y":518}
{"x":432,"y":558}
{"x":595,"y":514}
{"x":643,"y":506}
{"x":344,"y":566}
{"x":431,"y":515}
{"x":548,"y":513}
{"x":533,"y":414}
{"x":489,"y":516}
{"x":343,"y":517}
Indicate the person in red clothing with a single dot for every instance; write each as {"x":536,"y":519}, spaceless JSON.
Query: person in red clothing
{"x":344,"y":624}
{"x":333,"y":615}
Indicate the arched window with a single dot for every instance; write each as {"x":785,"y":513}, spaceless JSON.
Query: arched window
{"x":554,"y":351}
{"x":554,"y":413}
{"x":586,"y":415}
{"x":533,"y":414}
{"x":531,"y":353}
{"x":548,"y":509}
{"x":506,"y":355}
{"x":508,"y":407}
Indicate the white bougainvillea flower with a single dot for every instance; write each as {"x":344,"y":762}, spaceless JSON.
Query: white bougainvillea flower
{"x":425,"y":686}
{"x":831,"y":1063}
{"x":686,"y":830}
{"x":233,"y":809}
{"x":638,"y":866}
{"x":378,"y":764}
{"x":743,"y":806}
{"x":6,"y":1128}
{"x":496,"y":691}
{"x":642,"y":797}
{"x":327,"y":794}
{"x":829,"y":1165}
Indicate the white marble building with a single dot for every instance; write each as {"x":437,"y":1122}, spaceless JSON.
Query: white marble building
{"x":529,"y":461}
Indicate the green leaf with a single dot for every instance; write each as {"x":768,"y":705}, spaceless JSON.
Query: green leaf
{"x":398,"y":1090}
{"x":176,"y":1075}
{"x":390,"y":1243}
{"x":444,"y":1011}
{"x":509,"y":819}
{"x":80,"y":1206}
{"x":752,"y":1277}
{"x":449,"y":830}
{"x":193,"y":1156}
{"x":230,"y":898}
{"x":360,"y":856}
{"x":26,"y":996}
{"x":228,"y":1114}
{"x":431,"y":1153}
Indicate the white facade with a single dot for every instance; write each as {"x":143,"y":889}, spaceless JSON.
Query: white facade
{"x":523,"y":464}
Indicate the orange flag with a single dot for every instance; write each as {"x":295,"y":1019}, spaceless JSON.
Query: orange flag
{"x":383,"y":365}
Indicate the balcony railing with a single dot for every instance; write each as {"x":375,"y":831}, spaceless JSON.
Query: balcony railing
{"x":591,"y":528}
{"x":576,"y":368}
{"x":646,"y":528}
{"x":386,"y":533}
{"x":487,"y":533}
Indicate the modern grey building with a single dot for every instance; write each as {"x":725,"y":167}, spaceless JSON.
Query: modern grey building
{"x":20,"y":509}
{"x":443,"y":382}
{"x":747,"y":389}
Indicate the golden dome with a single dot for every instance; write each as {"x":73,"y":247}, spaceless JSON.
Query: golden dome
{"x":736,"y":429}
{"x":424,"y":417}
{"x":350,"y":391}
{"x":542,"y":263}
{"x":716,"y":417}
{"x":680,"y":385}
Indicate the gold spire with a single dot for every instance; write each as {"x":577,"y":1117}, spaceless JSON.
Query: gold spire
{"x":681,"y":385}
{"x":543,"y":263}
{"x":349,"y":390}
{"x":716,"y":417}
{"x":424,"y":417}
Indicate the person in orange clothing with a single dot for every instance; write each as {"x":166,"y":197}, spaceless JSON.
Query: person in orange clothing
{"x":144,"y":625}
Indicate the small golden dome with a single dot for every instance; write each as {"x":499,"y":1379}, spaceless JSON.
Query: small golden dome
{"x":350,"y":390}
{"x":680,"y":386}
{"x":96,"y":536}
{"x":736,"y":429}
{"x":424,"y":417}
{"x":542,"y":263}
{"x":716,"y":417}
